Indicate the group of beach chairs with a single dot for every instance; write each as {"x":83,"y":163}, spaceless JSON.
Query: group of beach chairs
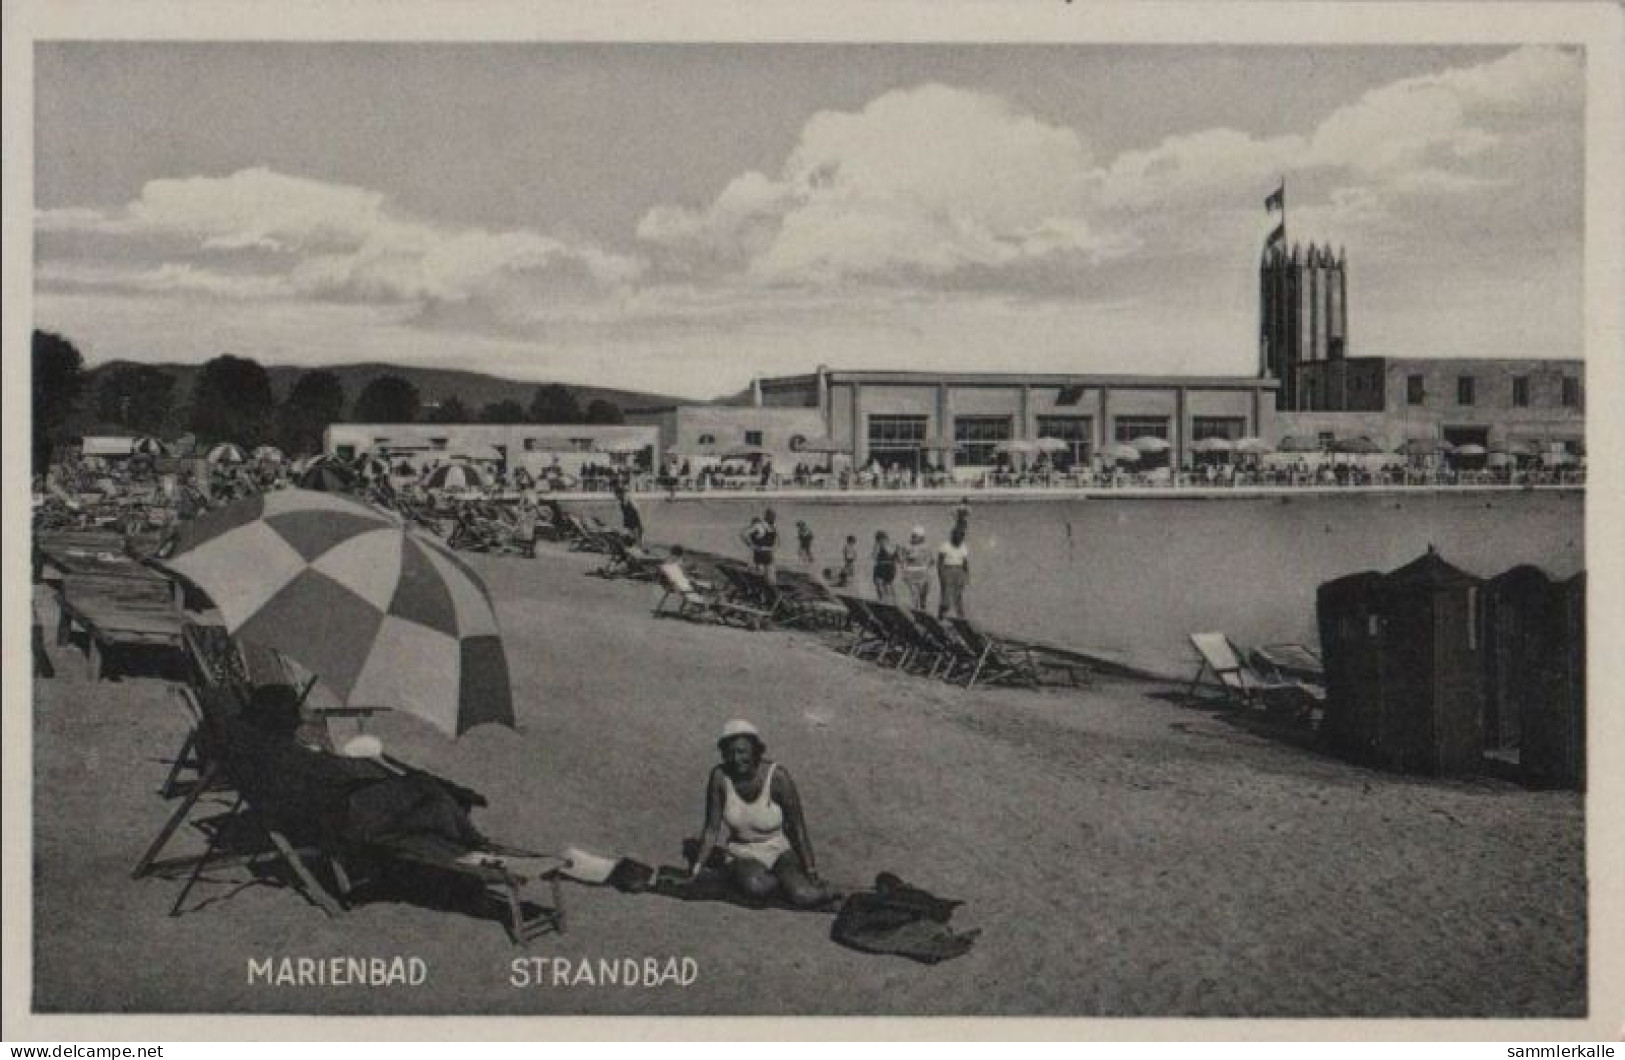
{"x":335,"y":826}
{"x":951,"y":648}
{"x":710,"y":588}
{"x":1283,"y":680}
{"x":107,"y":596}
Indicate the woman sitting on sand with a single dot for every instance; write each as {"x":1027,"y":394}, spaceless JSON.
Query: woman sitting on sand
{"x":768,"y":847}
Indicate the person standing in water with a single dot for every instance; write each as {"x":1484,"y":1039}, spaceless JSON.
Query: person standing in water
{"x":631,"y":518}
{"x":917,"y":562}
{"x":885,"y":572}
{"x":762,"y":538}
{"x":953,"y":572}
{"x":804,"y":541}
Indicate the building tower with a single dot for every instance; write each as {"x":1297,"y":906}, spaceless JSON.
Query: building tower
{"x":1303,"y":308}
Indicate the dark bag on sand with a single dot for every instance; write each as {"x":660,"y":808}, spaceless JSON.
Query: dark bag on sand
{"x":900,"y":919}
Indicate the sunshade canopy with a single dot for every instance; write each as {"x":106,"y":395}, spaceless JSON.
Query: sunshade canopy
{"x":384,"y":615}
{"x":457,"y":477}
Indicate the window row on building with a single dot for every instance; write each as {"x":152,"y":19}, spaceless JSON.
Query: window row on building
{"x":1467,"y":393}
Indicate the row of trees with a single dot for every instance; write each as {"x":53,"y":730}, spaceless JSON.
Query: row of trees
{"x":232,"y":399}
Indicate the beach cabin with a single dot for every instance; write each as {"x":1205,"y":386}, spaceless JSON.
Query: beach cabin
{"x":1404,"y":667}
{"x":1534,"y":669}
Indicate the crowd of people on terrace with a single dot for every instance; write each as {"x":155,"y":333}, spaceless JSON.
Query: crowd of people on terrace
{"x":149,"y":490}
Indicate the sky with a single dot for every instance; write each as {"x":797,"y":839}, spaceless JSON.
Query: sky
{"x":681,"y":218}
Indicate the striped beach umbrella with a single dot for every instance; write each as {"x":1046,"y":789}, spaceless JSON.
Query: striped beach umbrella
{"x":269,"y":454}
{"x":371,"y":467}
{"x":224,"y":453}
{"x":328,"y":478}
{"x":1123,"y":453}
{"x":385,"y":616}
{"x":457,"y":477}
{"x":147,"y":447}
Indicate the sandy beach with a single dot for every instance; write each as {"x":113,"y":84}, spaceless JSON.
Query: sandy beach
{"x":1125,"y":852}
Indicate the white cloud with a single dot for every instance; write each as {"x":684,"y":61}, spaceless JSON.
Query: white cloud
{"x":1398,"y":128}
{"x":922,"y":183}
{"x":925,"y":206}
{"x":319,"y":240}
{"x":940,"y":187}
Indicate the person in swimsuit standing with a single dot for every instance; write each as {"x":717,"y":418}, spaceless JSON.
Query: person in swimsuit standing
{"x":754,"y":798}
{"x":762,"y":538}
{"x":885,"y":573}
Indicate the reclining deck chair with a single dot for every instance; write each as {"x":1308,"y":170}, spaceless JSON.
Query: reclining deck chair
{"x":1000,"y":661}
{"x":692,"y":603}
{"x":629,"y":561}
{"x":956,"y":655}
{"x":810,"y":602}
{"x":870,"y":636}
{"x":319,"y":809}
{"x":1243,"y":684}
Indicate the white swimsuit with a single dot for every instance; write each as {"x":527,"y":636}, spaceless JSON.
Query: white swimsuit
{"x":755,"y":829}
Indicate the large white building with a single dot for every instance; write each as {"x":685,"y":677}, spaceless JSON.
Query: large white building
{"x":533,"y":446}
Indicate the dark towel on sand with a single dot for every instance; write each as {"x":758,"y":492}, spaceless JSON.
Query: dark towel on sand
{"x":900,"y":919}
{"x":894,"y":918}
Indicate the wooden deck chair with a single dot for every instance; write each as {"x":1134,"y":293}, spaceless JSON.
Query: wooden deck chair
{"x":1000,"y":661}
{"x":694,"y":604}
{"x":905,"y":637}
{"x":1239,"y":681}
{"x":956,"y":654}
{"x":810,"y":601}
{"x":750,"y":588}
{"x":867,"y":634}
{"x":291,"y":834}
{"x":629,"y":561}
{"x":117,"y":613}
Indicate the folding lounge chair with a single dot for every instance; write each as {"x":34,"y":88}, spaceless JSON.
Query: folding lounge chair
{"x":905,"y":637}
{"x":810,"y":601}
{"x":1005,"y":662}
{"x":1240,"y":682}
{"x":956,"y":655}
{"x":117,"y":612}
{"x":747,"y":587}
{"x":869,"y":634}
{"x":629,"y":561}
{"x":694,"y":604}
{"x":288,"y":798}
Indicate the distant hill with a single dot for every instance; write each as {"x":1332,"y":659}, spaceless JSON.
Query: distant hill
{"x":476,"y":389}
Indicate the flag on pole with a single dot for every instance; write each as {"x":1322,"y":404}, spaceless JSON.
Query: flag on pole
{"x":1277,"y":236}
{"x":1276,"y":200}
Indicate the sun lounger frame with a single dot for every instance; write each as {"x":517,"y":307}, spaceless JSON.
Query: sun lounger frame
{"x":116,"y":612}
{"x":227,"y":677}
{"x":1240,"y":682}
